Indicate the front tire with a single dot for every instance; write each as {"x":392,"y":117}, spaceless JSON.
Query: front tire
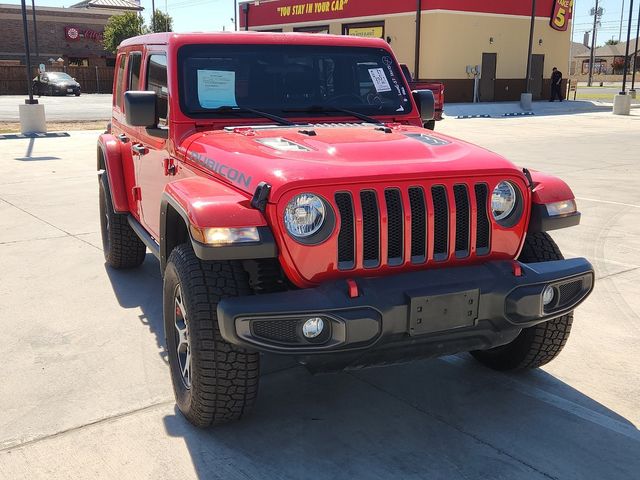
{"x":538,"y":345}
{"x":214,"y":382}
{"x":430,"y":125}
{"x":121,"y":246}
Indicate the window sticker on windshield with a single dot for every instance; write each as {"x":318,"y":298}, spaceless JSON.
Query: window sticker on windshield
{"x":379,"y":79}
{"x":216,"y":88}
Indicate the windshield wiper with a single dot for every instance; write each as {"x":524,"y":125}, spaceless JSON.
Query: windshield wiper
{"x":232,"y":109}
{"x":332,"y":109}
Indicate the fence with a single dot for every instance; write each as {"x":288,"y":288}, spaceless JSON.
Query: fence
{"x":13,"y":79}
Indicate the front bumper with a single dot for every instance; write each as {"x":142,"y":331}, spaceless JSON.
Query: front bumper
{"x":417,"y":314}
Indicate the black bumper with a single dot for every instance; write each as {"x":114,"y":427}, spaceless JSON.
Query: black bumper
{"x":418,"y":314}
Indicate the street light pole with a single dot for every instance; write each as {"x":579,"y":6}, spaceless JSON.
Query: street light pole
{"x":31,"y":101}
{"x":35,"y":28}
{"x":153,"y":16}
{"x":626,"y":54}
{"x":635,"y":54}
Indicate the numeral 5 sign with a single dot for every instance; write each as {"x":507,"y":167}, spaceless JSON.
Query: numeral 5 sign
{"x":560,"y":15}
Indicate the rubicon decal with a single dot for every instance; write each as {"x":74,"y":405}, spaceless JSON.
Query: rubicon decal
{"x":226,"y":171}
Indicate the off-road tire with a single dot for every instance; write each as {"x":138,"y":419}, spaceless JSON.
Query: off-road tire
{"x":538,"y":345}
{"x":121,"y":246}
{"x":430,"y":125}
{"x":223,"y":378}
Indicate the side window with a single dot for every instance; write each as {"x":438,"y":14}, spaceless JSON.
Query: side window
{"x":135,"y":59}
{"x":157,"y":82}
{"x":120,"y":79}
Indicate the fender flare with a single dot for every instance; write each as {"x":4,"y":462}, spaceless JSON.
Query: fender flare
{"x":203,"y":203}
{"x":109,"y":159}
{"x":549,"y":189}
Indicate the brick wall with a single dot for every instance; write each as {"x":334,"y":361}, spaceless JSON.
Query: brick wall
{"x":53,"y":43}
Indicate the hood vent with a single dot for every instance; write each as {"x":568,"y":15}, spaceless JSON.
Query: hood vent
{"x":428,"y":139}
{"x":282,"y":144}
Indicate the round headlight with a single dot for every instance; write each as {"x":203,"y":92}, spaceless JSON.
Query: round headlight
{"x":304,"y":215}
{"x":503,"y":200}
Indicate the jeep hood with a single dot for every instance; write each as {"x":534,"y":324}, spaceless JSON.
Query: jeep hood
{"x":335,"y":154}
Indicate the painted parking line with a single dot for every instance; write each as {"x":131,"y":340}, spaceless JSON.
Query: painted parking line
{"x":608,"y":201}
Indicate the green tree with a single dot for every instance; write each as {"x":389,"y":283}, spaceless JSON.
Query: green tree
{"x":161,"y":22}
{"x":612,"y":42}
{"x":121,"y":27}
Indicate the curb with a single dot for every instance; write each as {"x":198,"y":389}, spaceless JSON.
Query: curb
{"x":16,"y":136}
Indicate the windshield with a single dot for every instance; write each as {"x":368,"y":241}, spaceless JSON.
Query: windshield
{"x":59,"y":76}
{"x":289,"y":80}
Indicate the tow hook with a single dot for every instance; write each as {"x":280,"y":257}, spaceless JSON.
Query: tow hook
{"x":169,"y":167}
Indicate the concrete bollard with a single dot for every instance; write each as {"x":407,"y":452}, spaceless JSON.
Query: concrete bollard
{"x":526,"y":101}
{"x":622,"y":104}
{"x":32,"y":119}
{"x":632,"y":94}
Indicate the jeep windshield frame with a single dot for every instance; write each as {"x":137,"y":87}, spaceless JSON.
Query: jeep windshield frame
{"x":290,"y":81}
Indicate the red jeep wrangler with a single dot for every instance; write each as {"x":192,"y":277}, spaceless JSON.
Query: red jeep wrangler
{"x":297,"y":206}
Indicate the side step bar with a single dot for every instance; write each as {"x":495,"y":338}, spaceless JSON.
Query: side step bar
{"x":144,"y":236}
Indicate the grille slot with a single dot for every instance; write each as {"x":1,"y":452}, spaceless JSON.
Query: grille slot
{"x":283,"y":331}
{"x":441,"y":223}
{"x":346,"y":236}
{"x":418,"y":225}
{"x":370,"y":229}
{"x":395,"y":241}
{"x":410,"y":211}
{"x":483,"y":230}
{"x":463,"y":216}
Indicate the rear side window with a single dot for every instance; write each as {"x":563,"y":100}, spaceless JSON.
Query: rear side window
{"x":135,"y":59}
{"x":157,"y":82}
{"x":120,"y":80}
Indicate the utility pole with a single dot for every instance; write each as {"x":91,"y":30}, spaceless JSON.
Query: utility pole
{"x":621,"y":18}
{"x":529,"y":54}
{"x":35,"y":28}
{"x":626,"y":54}
{"x":235,"y":14}
{"x":594,"y":12}
{"x":635,"y":55}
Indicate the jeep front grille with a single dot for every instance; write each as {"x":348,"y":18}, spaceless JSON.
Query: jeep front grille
{"x":424,"y":214}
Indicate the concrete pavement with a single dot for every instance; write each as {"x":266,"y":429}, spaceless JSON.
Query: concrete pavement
{"x":86,"y":107}
{"x":86,"y":390}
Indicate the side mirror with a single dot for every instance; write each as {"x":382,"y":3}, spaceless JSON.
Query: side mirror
{"x":140,"y":108}
{"x":426,"y":104}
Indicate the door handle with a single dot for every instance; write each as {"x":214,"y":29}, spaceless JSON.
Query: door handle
{"x":123,"y":138}
{"x":139,"y":148}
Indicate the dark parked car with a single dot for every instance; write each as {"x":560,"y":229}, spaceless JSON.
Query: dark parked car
{"x":55,"y":83}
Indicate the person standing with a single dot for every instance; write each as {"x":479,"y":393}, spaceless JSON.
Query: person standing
{"x":556,"y":85}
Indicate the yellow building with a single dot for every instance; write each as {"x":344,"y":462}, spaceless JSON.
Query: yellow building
{"x":444,"y":40}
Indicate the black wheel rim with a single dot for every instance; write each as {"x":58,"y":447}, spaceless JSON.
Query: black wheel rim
{"x":181,"y":336}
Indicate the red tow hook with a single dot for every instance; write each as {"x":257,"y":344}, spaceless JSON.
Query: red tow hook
{"x":353,"y":288}
{"x":517,"y":268}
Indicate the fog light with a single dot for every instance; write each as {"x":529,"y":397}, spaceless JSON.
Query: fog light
{"x":313,"y":327}
{"x":547,"y":295}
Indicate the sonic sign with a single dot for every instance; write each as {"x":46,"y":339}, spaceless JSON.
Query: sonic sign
{"x":560,"y":15}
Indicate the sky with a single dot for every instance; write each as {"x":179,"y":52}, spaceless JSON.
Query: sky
{"x":213,"y":15}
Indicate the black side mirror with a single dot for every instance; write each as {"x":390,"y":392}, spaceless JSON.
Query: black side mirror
{"x":426,"y":104}
{"x":140,"y":108}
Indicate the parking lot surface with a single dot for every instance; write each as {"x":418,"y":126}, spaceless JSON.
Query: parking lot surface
{"x":85,"y":384}
{"x":86,"y":107}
